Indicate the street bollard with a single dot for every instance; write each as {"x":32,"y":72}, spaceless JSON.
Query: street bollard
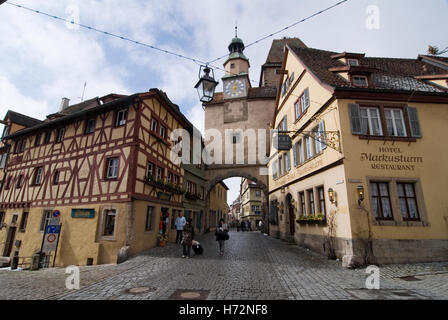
{"x":15,"y":261}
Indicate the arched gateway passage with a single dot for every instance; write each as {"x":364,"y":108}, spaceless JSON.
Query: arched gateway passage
{"x":216,"y":174}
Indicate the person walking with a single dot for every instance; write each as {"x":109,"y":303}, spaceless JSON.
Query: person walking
{"x":243,"y":225}
{"x":260,"y":225}
{"x":222,"y":235}
{"x":187,"y":238}
{"x":180,"y":223}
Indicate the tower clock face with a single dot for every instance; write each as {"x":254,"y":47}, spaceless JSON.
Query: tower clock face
{"x":235,"y":88}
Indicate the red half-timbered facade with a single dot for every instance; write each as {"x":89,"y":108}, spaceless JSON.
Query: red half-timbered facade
{"x":105,"y":166}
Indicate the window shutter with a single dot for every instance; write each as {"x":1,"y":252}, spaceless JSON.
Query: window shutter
{"x":294,"y":153}
{"x":322,"y":135}
{"x":414,"y":123}
{"x":288,"y":161}
{"x":355,"y":118}
{"x":307,"y":98}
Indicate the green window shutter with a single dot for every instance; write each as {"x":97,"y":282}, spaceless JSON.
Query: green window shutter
{"x":355,"y":118}
{"x":414,"y":123}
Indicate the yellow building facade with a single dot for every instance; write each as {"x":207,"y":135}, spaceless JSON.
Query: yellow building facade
{"x":218,"y":204}
{"x":251,"y":202}
{"x":362,"y":181}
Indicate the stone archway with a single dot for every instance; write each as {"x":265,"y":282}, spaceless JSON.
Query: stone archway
{"x":215,"y":174}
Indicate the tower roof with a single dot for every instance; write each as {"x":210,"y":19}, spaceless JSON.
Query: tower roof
{"x":236,"y":48}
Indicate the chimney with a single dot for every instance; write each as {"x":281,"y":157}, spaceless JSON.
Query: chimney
{"x":64,"y":104}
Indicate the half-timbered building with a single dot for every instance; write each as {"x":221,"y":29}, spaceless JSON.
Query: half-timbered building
{"x":104,"y":167}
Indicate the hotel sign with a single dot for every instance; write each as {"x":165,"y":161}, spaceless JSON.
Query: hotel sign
{"x":83,"y":213}
{"x":284,"y":142}
{"x":391,"y":158}
{"x":164,"y":196}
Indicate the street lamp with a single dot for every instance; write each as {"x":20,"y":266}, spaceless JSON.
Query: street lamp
{"x":206,"y":85}
{"x":360,"y":190}
{"x":331,"y":195}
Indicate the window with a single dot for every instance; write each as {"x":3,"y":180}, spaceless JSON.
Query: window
{"x":309,"y":148}
{"x":159,"y":173}
{"x":169,"y":178}
{"x":56,"y":177}
{"x":38,"y":139}
{"x":121,"y":118}
{"x":24,"y":221}
{"x":176,"y":179}
{"x":281,"y":167}
{"x":20,"y":146}
{"x":236,"y":138}
{"x":162,"y":131}
{"x":109,"y":222}
{"x":302,"y":203}
{"x":90,"y":126}
{"x":3,"y":158}
{"x":38,"y":176}
{"x":47,"y":137}
{"x":112,"y":168}
{"x":60,"y":135}
{"x":395,"y":122}
{"x":311,"y":202}
{"x":8,"y":183}
{"x":14,"y":219}
{"x":2,"y":218}
{"x":300,"y":151}
{"x":202,"y":193}
{"x":19,"y":181}
{"x":232,"y":66}
{"x":360,"y":81}
{"x":321,"y":194}
{"x":46,"y":217}
{"x":370,"y":121}
{"x":288,"y":162}
{"x":381,"y":200}
{"x":353,"y":62}
{"x":319,"y":133}
{"x":258,"y":193}
{"x":154,"y":125}
{"x":305,"y":100}
{"x":5,"y":132}
{"x":149,"y":218}
{"x":408,"y":201}
{"x":275,"y":169}
{"x":150,"y":169}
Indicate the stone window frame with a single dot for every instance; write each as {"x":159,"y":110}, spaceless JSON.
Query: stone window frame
{"x":395,"y":202}
{"x":44,"y":219}
{"x":102,"y":237}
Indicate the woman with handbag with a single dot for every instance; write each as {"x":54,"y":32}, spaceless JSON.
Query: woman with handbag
{"x":187,"y":238}
{"x":222,"y":235}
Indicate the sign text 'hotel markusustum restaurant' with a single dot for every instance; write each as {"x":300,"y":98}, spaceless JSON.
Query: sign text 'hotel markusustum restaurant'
{"x":391,"y":158}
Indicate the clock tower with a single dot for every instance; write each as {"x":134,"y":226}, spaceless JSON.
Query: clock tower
{"x":236,"y":80}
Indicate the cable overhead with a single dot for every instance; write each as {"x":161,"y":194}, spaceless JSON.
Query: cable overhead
{"x":108,"y":33}
{"x":285,"y":28}
{"x":197,"y":61}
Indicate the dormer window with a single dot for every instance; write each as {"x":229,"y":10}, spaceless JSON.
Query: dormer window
{"x":360,"y":81}
{"x":353,"y":62}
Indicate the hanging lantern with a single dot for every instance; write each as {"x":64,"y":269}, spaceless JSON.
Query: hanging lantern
{"x":206,"y":85}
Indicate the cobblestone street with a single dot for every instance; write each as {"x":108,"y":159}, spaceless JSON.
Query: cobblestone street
{"x":254,"y":266}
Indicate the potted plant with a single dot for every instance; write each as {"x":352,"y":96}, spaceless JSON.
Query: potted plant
{"x":163,"y":238}
{"x":321,"y":220}
{"x":301,"y":220}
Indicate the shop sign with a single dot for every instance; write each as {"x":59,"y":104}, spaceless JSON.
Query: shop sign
{"x":83,"y":213}
{"x":164,"y":196}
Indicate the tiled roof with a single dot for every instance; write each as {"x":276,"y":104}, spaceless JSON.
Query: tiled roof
{"x":275,"y":55}
{"x":389,"y":73}
{"x":88,"y":104}
{"x":21,"y":119}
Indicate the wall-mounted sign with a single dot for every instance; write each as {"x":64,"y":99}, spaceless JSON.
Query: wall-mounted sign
{"x":83,"y":213}
{"x":164,"y":196}
{"x":284,"y":142}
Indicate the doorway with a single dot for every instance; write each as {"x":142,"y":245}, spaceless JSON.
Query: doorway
{"x":10,"y":237}
{"x":292,"y":225}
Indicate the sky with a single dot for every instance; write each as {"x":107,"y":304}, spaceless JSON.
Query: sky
{"x":43,"y":59}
